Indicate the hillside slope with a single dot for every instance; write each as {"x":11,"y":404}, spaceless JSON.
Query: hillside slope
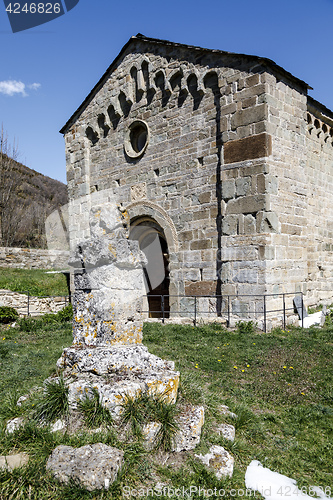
{"x":27,"y":198}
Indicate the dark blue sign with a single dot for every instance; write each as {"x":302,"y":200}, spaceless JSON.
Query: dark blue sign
{"x":24,"y":15}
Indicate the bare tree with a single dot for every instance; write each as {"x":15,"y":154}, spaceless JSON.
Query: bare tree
{"x":11,"y":208}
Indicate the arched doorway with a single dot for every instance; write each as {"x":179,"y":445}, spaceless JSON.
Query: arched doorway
{"x":152,"y":242}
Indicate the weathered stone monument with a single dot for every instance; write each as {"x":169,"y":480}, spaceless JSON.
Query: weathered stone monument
{"x":107,"y":353}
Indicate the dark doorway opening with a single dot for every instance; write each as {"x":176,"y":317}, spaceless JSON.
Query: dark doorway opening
{"x":153,"y":243}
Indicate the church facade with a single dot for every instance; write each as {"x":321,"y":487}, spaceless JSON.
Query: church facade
{"x":224,"y":156}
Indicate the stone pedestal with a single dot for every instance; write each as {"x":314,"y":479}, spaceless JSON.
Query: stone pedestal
{"x":107,"y":353}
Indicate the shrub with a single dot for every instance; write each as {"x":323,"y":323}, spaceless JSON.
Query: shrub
{"x":245,"y":327}
{"x":8,"y":314}
{"x":66,"y":314}
{"x":28,"y":324}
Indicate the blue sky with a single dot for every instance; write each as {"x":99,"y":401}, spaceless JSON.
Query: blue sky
{"x":56,"y":65}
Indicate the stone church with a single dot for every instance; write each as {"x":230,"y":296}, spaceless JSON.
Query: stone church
{"x":224,"y":157}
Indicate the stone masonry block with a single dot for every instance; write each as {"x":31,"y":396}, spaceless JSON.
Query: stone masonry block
{"x":252,"y":80}
{"x":229,"y":224}
{"x":243,"y":186}
{"x":248,"y":148}
{"x":267,"y":222}
{"x":201,"y":244}
{"x":246,"y":204}
{"x":249,"y":224}
{"x":224,"y":272}
{"x":228,"y":189}
{"x":267,"y":183}
{"x":246,"y":276}
{"x":249,"y":115}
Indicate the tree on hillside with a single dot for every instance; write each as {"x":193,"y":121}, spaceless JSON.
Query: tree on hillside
{"x":11,"y":209}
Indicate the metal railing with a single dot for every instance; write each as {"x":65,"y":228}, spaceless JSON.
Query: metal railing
{"x":225,"y":306}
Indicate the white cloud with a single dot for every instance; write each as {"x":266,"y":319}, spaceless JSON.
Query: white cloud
{"x":12,"y":87}
{"x":34,"y":86}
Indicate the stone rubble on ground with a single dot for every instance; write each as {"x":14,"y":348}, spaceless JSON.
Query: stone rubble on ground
{"x":14,"y":424}
{"x":21,"y":399}
{"x":10,"y":462}
{"x":190,"y":423}
{"x":150,"y":433}
{"x":219,"y":460}
{"x":94,"y":466}
{"x":225,"y":411}
{"x":227,"y":431}
{"x":58,"y":425}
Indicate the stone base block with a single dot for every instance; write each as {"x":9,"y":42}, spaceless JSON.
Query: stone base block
{"x":117,"y":360}
{"x":113,"y":389}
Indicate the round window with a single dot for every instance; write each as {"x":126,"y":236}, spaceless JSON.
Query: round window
{"x":136,"y":139}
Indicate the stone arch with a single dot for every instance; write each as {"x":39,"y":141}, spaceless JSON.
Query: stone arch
{"x":138,"y":86}
{"x":145,"y":208}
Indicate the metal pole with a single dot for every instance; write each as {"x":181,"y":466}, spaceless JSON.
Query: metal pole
{"x":28,"y":304}
{"x":195,"y":311}
{"x":302,"y":310}
{"x":162,"y":304}
{"x":265,"y":313}
{"x":228,"y":310}
{"x":284,"y":312}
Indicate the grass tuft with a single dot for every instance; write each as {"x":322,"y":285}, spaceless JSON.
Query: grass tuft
{"x":93,"y":412}
{"x":54,"y":402}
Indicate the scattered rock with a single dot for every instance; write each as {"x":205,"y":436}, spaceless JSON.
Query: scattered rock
{"x":190,"y":423}
{"x":312,"y":319}
{"x":10,"y":462}
{"x":14,"y":424}
{"x":219,"y":460}
{"x":227,"y":431}
{"x":22,"y":399}
{"x":59,"y":425}
{"x":150,"y":432}
{"x":93,"y":466}
{"x":225,"y":411}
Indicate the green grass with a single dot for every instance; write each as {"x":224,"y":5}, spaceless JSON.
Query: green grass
{"x":36,"y":281}
{"x":279,"y":384}
{"x":29,"y":358}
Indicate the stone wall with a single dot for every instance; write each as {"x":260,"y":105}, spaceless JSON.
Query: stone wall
{"x":33,"y":258}
{"x":229,"y":171}
{"x":33,"y":306}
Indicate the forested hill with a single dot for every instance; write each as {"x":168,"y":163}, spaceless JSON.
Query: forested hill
{"x":41,"y":188}
{"x":27,"y":198}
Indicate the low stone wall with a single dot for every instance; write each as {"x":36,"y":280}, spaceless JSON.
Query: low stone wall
{"x":33,"y":258}
{"x":34,"y":306}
